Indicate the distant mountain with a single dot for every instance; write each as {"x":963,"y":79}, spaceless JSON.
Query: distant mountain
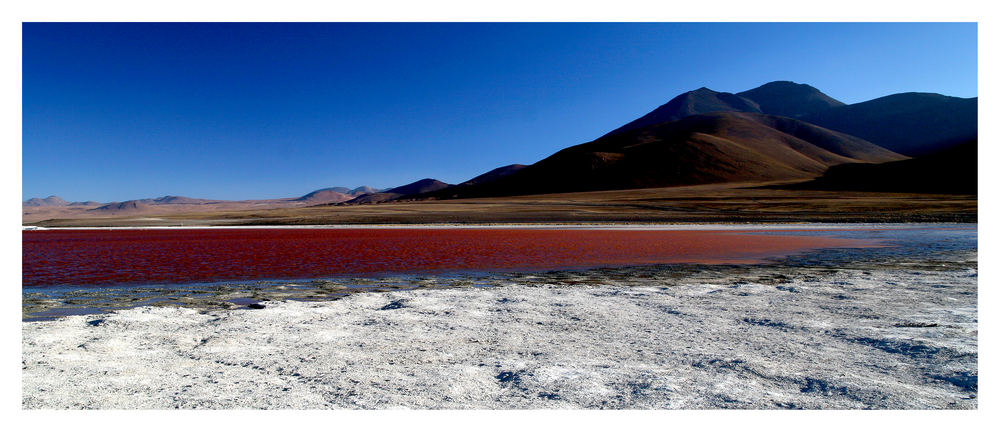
{"x":172,"y":199}
{"x":328,"y":195}
{"x":701,"y":101}
{"x":124,"y":207}
{"x":789,"y":99}
{"x":361,"y":190}
{"x":709,"y":148}
{"x":52,"y":200}
{"x":418,"y":187}
{"x":951,"y":171}
{"x":84,"y":204}
{"x":913,"y":124}
{"x":503,"y":171}
{"x":335,"y":194}
{"x":470,"y":185}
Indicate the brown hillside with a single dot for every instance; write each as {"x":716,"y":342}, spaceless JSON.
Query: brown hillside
{"x":700,"y":149}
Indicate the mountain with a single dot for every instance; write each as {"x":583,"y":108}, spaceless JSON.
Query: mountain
{"x":913,"y":124}
{"x":328,"y":195}
{"x":416,"y":188}
{"x":172,"y":199}
{"x":361,"y":190}
{"x":701,"y":101}
{"x":52,"y":200}
{"x":124,"y":207}
{"x":503,"y":171}
{"x":789,"y":99}
{"x":470,"y":185}
{"x":708,"y":148}
{"x":335,"y":194}
{"x":950,"y":171}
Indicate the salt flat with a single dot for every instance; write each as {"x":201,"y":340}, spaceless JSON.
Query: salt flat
{"x":752,"y":337}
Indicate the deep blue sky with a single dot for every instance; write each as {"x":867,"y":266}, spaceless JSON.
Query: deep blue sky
{"x":237,"y":111}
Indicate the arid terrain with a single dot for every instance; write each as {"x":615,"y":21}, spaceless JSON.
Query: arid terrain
{"x":734,"y":202}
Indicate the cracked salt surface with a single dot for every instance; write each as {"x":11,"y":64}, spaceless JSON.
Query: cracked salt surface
{"x":780,"y":336}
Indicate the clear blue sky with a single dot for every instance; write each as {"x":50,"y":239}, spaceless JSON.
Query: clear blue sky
{"x":237,"y":111}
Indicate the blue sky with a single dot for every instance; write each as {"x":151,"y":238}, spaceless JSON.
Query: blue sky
{"x":237,"y":111}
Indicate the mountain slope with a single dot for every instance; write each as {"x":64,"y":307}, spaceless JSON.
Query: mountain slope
{"x":952,"y":170}
{"x":416,"y":188}
{"x":52,"y":200}
{"x":335,"y":195}
{"x":328,"y":195}
{"x":789,"y":99}
{"x":361,"y":190}
{"x":913,"y":124}
{"x":701,"y":101}
{"x":494,"y":174}
{"x":124,"y":207}
{"x":709,"y":148}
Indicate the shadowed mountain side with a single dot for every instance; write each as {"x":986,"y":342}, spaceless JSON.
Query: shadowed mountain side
{"x":495,"y":174}
{"x":913,"y":124}
{"x":701,"y":149}
{"x":416,"y":188}
{"x":701,"y":101}
{"x":789,"y":99}
{"x":951,"y":171}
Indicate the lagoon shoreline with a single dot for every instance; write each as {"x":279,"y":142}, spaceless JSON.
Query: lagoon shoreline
{"x":759,"y":337}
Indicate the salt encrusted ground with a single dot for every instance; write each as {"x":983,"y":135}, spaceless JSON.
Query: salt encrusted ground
{"x":749,"y":337}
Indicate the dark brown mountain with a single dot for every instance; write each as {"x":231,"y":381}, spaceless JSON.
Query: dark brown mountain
{"x":471,"y":185}
{"x":701,"y":101}
{"x":709,"y":148}
{"x":789,"y":99}
{"x":52,"y":200}
{"x":913,"y":124}
{"x":416,"y":188}
{"x":949,"y":171}
{"x":495,"y":174}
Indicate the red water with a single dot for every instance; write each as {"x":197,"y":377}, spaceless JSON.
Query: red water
{"x":109,"y":257}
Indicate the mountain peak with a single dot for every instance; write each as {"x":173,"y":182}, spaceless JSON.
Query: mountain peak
{"x":419,"y":186}
{"x":790,"y":99}
{"x":701,"y":101}
{"x":51,"y":200}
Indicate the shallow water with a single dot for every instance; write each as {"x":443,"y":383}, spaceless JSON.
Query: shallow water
{"x":80,"y":272}
{"x":118,"y":257}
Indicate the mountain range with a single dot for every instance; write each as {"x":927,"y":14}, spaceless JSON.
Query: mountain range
{"x":779,"y":131}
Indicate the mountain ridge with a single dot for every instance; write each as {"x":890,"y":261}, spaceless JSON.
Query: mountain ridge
{"x":700,"y":149}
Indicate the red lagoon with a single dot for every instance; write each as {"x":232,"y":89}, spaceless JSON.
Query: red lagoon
{"x":152,"y":256}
